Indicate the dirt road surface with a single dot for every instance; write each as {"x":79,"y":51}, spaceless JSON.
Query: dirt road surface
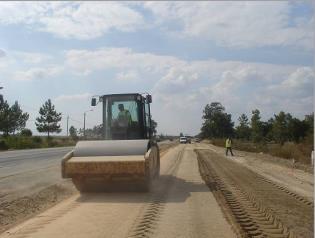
{"x":200,"y":193}
{"x":259,"y":206}
{"x":280,"y":171}
{"x":179,"y":205}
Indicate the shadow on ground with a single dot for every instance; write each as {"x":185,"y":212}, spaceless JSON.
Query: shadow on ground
{"x":175,"y":190}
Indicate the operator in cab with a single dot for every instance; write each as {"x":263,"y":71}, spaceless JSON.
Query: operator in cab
{"x":124,"y":116}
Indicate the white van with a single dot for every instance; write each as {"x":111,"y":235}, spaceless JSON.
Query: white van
{"x":183,"y":140}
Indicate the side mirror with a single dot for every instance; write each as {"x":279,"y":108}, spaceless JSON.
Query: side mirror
{"x":149,"y":98}
{"x":93,"y":102}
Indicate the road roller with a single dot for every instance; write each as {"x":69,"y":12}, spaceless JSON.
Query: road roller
{"x":127,"y":154}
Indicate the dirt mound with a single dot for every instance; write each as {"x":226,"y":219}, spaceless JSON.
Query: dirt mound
{"x":20,"y":209}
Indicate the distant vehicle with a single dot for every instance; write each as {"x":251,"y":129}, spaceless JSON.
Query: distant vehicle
{"x":183,"y":139}
{"x":188,"y":139}
{"x":197,"y":140}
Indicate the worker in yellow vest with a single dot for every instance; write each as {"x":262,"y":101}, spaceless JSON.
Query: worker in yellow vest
{"x":228,"y":146}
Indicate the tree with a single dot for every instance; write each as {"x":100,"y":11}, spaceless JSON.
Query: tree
{"x":266,"y":128}
{"x":256,"y":126}
{"x":297,"y":129}
{"x":73,"y":132}
{"x":12,"y":118}
{"x":95,"y":132}
{"x":243,"y":130}
{"x":280,"y":127}
{"x":26,"y":132}
{"x":154,"y":126}
{"x":19,"y":118}
{"x":217,"y":123}
{"x":48,"y":119}
{"x":309,"y":122}
{"x":5,"y":118}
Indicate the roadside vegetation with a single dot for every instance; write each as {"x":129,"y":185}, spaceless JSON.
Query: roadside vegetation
{"x":21,"y":142}
{"x":282,"y":135}
{"x":14,"y":135}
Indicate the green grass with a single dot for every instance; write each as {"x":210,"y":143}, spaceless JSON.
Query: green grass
{"x":21,"y":142}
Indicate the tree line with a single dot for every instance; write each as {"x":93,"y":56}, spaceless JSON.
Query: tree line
{"x":280,"y":128}
{"x":13,"y":119}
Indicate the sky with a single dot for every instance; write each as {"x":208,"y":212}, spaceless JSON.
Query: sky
{"x":246,"y":55}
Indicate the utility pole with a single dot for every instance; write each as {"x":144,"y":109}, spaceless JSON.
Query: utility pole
{"x":67,"y":125}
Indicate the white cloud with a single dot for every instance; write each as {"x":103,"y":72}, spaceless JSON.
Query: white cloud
{"x":228,"y":24}
{"x":299,"y":84}
{"x":184,"y":85}
{"x":37,"y":73}
{"x":236,"y":24}
{"x":178,"y":79}
{"x":128,"y":76}
{"x":3,"y":62}
{"x":239,"y":86}
{"x":303,"y":76}
{"x":181,"y":88}
{"x":30,"y":57}
{"x":2,"y":53}
{"x":86,"y":61}
{"x":73,"y":97}
{"x":79,"y":20}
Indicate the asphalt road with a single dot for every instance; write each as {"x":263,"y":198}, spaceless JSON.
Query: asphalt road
{"x":23,"y":172}
{"x":26,"y":171}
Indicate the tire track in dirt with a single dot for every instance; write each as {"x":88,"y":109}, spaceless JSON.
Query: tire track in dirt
{"x":149,"y":215}
{"x":248,"y":200}
{"x":43,"y":221}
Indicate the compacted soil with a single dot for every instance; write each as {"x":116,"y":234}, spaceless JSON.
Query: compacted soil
{"x":257,"y":205}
